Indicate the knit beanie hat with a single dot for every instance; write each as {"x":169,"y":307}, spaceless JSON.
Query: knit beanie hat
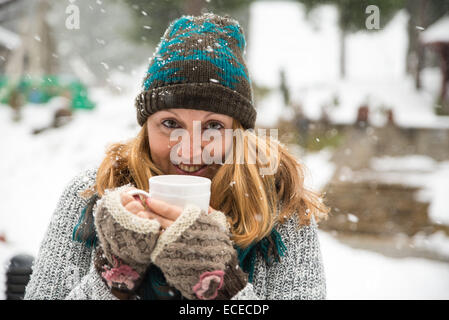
{"x":199,"y":65}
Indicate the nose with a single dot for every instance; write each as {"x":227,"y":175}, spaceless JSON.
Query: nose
{"x":191,"y":149}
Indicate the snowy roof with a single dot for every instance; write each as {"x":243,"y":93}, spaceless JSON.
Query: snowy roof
{"x":437,"y":32}
{"x":9,"y":39}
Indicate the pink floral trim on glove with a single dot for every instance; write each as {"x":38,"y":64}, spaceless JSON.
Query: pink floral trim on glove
{"x":120,"y":273}
{"x":209,"y":284}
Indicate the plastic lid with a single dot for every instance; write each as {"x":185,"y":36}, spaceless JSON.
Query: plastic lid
{"x":178,"y":184}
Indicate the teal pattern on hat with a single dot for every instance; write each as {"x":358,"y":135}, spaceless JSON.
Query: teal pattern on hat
{"x":224,"y":58}
{"x":199,"y":64}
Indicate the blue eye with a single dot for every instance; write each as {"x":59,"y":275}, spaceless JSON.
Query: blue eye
{"x":215,"y":125}
{"x":172,"y":124}
{"x":169,"y":124}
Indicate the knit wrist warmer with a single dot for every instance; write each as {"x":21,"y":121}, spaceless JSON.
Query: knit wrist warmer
{"x":126,"y":241}
{"x":235,"y":279}
{"x":116,"y":275}
{"x":197,"y":257}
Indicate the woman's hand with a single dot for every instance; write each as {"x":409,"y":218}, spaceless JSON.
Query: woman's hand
{"x":163,"y":212}
{"x":205,"y":239}
{"x":126,"y":242}
{"x":133,"y":203}
{"x":160,"y":210}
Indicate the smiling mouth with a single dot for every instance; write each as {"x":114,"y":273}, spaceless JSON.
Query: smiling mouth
{"x":190,"y":168}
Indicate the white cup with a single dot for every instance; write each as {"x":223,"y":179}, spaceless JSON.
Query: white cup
{"x":179,"y":190}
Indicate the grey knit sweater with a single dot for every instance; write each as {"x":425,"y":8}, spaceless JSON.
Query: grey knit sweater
{"x":64,"y":268}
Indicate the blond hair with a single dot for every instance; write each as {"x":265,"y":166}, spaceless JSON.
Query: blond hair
{"x":252,"y":203}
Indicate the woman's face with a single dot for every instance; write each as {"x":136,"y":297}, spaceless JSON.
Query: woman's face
{"x":162,"y":124}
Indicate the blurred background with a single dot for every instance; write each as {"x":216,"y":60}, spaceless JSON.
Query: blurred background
{"x":358,"y":90}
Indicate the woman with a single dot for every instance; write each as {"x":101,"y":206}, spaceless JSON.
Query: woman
{"x":259,"y":238}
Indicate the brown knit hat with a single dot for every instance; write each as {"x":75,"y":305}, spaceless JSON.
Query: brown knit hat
{"x":199,"y":65}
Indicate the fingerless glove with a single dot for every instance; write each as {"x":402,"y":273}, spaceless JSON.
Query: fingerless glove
{"x":197,"y":257}
{"x":126,"y":242}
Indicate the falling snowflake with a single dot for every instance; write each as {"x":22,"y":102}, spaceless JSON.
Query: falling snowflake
{"x":105,"y":65}
{"x":352,"y":218}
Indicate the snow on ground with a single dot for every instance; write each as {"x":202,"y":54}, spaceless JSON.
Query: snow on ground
{"x":421,"y":171}
{"x":358,"y":274}
{"x":437,"y":31}
{"x":42,"y":165}
{"x":35,"y":169}
{"x":437,"y":242}
{"x":281,"y":38}
{"x":318,"y":169}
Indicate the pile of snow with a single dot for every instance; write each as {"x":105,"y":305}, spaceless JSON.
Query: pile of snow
{"x":423,"y":172}
{"x":360,"y":275}
{"x":317,"y":166}
{"x":437,"y":242}
{"x":9,"y":39}
{"x":439,"y":31}
{"x":407,"y":163}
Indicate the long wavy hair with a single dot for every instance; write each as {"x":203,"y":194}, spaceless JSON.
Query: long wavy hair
{"x":252,"y":202}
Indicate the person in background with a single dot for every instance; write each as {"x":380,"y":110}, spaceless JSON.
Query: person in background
{"x":16,"y":102}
